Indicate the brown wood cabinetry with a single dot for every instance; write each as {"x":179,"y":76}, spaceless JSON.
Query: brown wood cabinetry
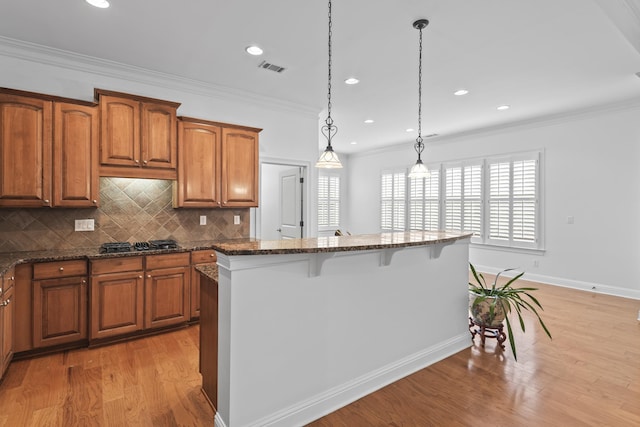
{"x":75,"y":155}
{"x":217,"y":165}
{"x":167,"y":286}
{"x":198,"y":183}
{"x":239,"y":155}
{"x":138,"y":136}
{"x":209,"y":339}
{"x":117,"y":297}
{"x":59,"y":303}
{"x":206,"y":256}
{"x":7,"y":319}
{"x":49,"y":150}
{"x":25,"y":151}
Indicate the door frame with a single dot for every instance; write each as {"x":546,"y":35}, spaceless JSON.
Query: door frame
{"x":256,"y":214}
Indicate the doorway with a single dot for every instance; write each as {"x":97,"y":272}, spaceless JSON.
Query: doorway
{"x":282,"y":211}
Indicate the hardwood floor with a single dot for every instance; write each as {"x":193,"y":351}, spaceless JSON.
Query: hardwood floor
{"x":151,"y":381}
{"x":589,"y":375}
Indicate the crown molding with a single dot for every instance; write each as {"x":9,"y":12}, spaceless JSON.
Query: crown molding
{"x":77,"y":62}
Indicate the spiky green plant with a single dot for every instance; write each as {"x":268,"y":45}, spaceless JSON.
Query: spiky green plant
{"x":512,"y":299}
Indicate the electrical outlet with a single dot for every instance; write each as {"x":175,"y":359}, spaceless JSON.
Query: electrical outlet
{"x":203,"y":220}
{"x":236,"y":219}
{"x":84,"y":225}
{"x":638,"y":315}
{"x":536,"y":263}
{"x":570,"y":219}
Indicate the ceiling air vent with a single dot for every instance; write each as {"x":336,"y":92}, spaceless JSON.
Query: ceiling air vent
{"x":267,"y":66}
{"x":431,"y":135}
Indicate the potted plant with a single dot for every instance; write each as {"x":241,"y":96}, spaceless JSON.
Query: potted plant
{"x":490,"y":305}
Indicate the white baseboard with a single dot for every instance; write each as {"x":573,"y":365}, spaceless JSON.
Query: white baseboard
{"x":569,"y":283}
{"x":218,"y":421}
{"x":344,"y":394}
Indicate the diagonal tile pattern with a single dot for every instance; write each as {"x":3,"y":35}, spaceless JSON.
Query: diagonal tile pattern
{"x":130,"y":210}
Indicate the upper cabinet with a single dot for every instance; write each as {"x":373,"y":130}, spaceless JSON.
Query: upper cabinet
{"x":138,"y":136}
{"x":217,"y":165}
{"x":239,"y":155}
{"x":49,"y":149}
{"x":25,"y":151}
{"x":75,"y":155}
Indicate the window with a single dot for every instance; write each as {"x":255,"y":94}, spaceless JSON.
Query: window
{"x":424,"y":202}
{"x":392,"y":210}
{"x":328,"y":201}
{"x":497,"y":199}
{"x":463,"y":198}
{"x":513,"y":202}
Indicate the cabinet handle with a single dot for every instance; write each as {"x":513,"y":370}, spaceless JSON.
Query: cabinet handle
{"x":84,"y":281}
{"x":13,"y":278}
{"x":95,"y":202}
{"x":46,"y":201}
{"x":144,"y":162}
{"x":137,"y":161}
{"x":139,"y":277}
{"x":61,"y":269}
{"x":149,"y":276}
{"x":0,"y":291}
{"x":212,"y":255}
{"x":6,"y":302}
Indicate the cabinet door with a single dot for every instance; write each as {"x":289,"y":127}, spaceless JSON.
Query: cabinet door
{"x":198,"y":257}
{"x":25,"y":151}
{"x":239,"y":156}
{"x":120,"y":131}
{"x":7,"y":313}
{"x":60,"y":311}
{"x":158,"y":136}
{"x":117,"y":304}
{"x":75,"y":155}
{"x":167,"y":297}
{"x":198,"y":183}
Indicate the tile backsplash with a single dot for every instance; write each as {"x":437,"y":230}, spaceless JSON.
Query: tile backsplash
{"x":130,"y":210}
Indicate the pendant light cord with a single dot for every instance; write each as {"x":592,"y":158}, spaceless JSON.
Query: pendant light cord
{"x":329,"y":120}
{"x":419,"y":145}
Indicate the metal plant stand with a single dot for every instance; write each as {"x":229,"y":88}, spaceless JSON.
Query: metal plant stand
{"x":487,"y":332}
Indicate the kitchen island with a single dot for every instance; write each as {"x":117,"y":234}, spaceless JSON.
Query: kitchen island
{"x":305,"y":326}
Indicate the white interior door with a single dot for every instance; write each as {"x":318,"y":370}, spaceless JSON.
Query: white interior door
{"x":291,"y":223}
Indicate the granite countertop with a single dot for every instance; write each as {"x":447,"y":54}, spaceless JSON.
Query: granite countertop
{"x":209,"y":270}
{"x":10,"y":259}
{"x":337,"y":243}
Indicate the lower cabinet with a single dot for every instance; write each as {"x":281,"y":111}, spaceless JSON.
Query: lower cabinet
{"x":204,"y":256}
{"x":117,"y":296}
{"x":59,"y":303}
{"x":136,"y":293}
{"x":7,"y":317}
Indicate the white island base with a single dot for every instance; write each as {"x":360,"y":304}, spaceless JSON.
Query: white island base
{"x":303,"y":334}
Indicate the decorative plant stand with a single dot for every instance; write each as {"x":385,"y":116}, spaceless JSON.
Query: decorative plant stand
{"x":487,"y":332}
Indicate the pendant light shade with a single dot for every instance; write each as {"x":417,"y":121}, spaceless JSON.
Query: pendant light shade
{"x":419,"y":170}
{"x":329,"y":159}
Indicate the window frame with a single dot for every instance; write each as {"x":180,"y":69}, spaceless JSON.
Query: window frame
{"x":329,"y":226}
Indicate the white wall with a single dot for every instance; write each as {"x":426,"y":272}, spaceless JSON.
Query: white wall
{"x":591,"y":171}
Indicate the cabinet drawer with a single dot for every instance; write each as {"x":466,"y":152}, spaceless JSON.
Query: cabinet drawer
{"x":203,"y":256}
{"x":167,"y":260}
{"x":116,"y":265}
{"x":52,"y":270}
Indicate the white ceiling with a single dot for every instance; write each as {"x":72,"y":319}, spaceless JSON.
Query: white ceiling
{"x":542,"y":57}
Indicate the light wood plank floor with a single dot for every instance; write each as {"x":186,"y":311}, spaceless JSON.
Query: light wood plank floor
{"x":589,"y":375}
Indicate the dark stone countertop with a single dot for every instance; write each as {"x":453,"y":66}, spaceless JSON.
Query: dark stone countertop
{"x":209,"y":270}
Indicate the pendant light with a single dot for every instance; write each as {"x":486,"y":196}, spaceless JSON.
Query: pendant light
{"x":329,"y":159}
{"x":419,"y":170}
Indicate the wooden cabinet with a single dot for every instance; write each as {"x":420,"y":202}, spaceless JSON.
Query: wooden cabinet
{"x":239,"y":155}
{"x":217,"y":165}
{"x":7,"y":320}
{"x":128,"y":296}
{"x":59,"y":303}
{"x":209,"y":339}
{"x":138,"y":136}
{"x":49,"y":150}
{"x":198,"y":257}
{"x":198,"y":183}
{"x":167,"y":290}
{"x":75,"y":155}
{"x":117,"y":296}
{"x":25,"y":151}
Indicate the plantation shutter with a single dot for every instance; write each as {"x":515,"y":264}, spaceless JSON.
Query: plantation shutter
{"x":463,"y":198}
{"x":328,"y":201}
{"x":424,"y":202}
{"x":392,"y":209}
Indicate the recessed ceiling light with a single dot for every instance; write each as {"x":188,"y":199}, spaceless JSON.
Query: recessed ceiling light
{"x":352,"y":81}
{"x":461,"y":92}
{"x":102,"y":4}
{"x":354,"y":142}
{"x":503,"y":107}
{"x":368,"y":121}
{"x":409,"y":129}
{"x":254,"y":50}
